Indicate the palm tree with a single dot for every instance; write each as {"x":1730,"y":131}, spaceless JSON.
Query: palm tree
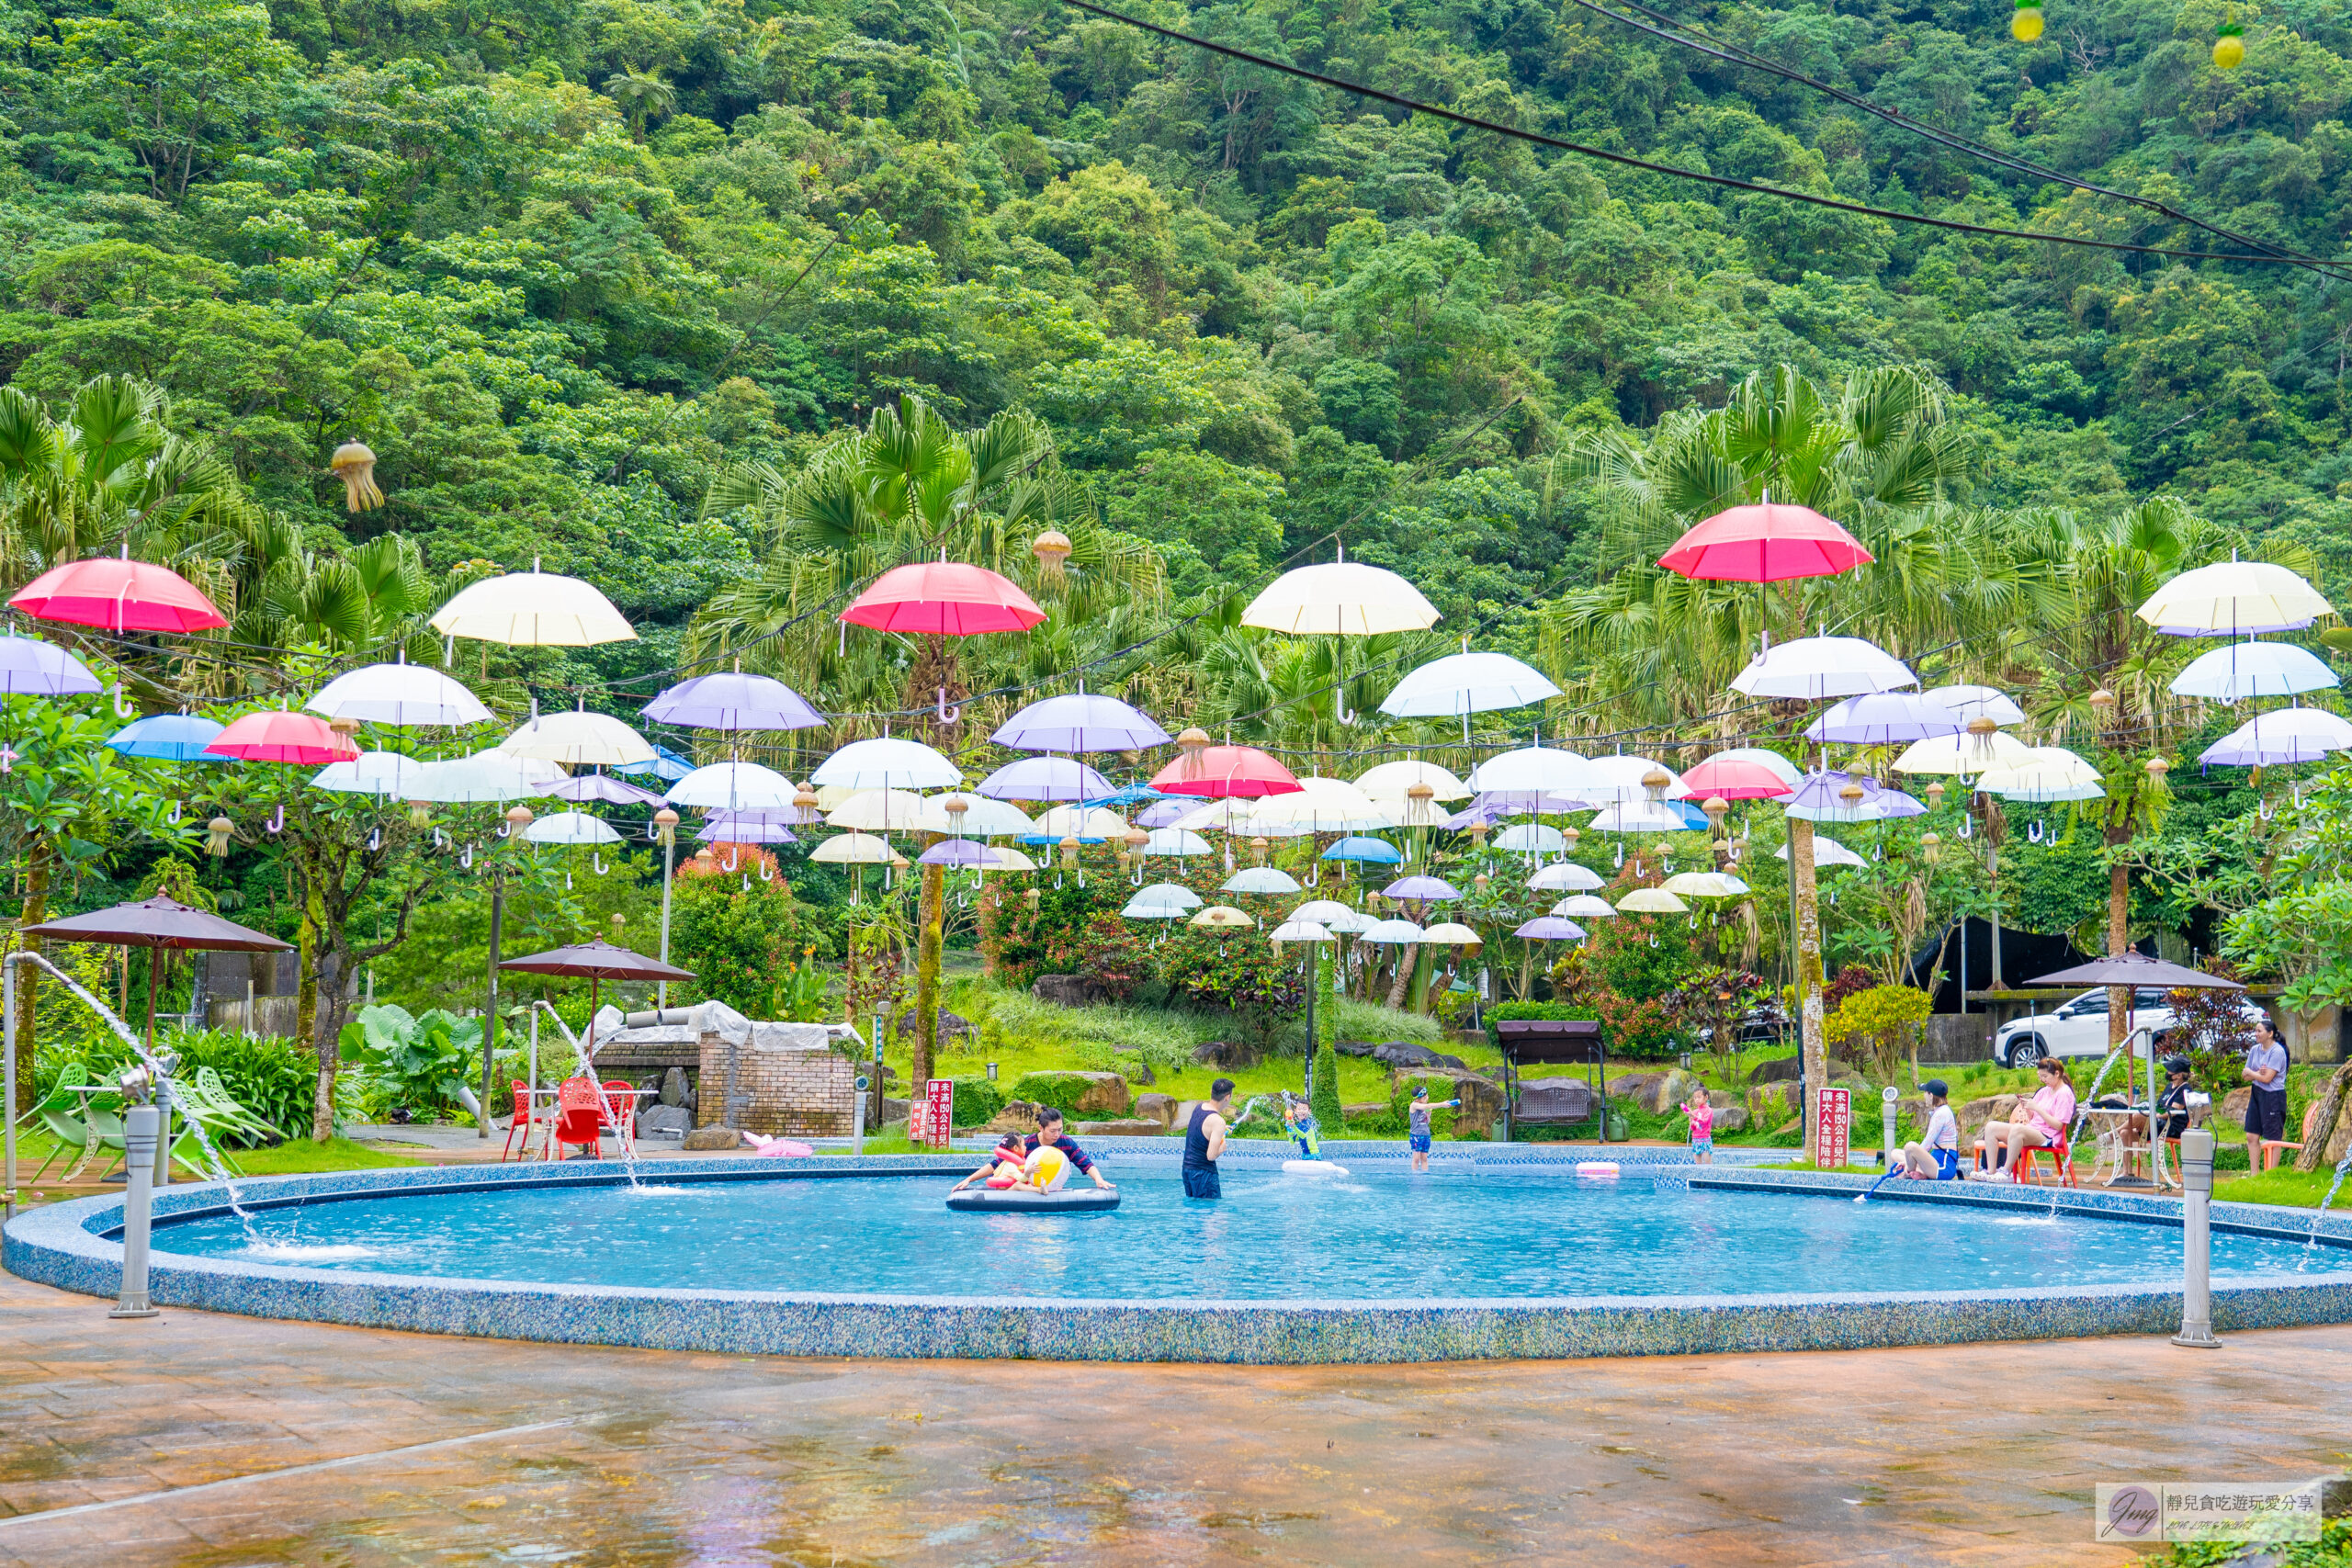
{"x":640,"y":94}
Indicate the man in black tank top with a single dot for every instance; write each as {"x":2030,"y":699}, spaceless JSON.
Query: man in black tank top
{"x":1205,"y":1140}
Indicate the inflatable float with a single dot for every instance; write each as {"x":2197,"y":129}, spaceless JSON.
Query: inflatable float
{"x":1029,"y":1201}
{"x":1598,"y":1169}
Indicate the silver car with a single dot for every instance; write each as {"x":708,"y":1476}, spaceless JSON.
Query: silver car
{"x":2079,"y":1027}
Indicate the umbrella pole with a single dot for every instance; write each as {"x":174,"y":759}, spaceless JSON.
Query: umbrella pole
{"x":490,"y":1013}
{"x":163,"y":1092}
{"x":8,"y":1085}
{"x":669,"y":874}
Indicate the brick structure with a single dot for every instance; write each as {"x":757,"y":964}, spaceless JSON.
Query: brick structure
{"x":776,"y":1079}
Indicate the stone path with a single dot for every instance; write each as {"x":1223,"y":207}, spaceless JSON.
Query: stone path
{"x":1975,"y":1455}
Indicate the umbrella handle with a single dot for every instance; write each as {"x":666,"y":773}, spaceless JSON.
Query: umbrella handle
{"x":596,"y":859}
{"x":948,"y":714}
{"x":277,"y":819}
{"x":7,"y":760}
{"x":767,"y":871}
{"x":174,"y":815}
{"x":122,"y":709}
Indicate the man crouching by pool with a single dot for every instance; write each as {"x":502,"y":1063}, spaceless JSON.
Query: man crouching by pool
{"x":1048,"y":1134}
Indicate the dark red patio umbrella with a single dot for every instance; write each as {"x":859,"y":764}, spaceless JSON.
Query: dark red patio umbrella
{"x":2137,"y":969}
{"x":159,"y":925}
{"x":598,"y":962}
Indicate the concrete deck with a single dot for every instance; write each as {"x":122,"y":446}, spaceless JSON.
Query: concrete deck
{"x":218,"y":1440}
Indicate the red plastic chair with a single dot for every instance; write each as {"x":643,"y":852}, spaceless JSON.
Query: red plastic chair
{"x":520,"y":1124}
{"x":579,"y":1119}
{"x":619,"y":1102}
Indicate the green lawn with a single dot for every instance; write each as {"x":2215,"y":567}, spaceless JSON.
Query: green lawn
{"x":2285,"y":1187}
{"x":299,"y":1157}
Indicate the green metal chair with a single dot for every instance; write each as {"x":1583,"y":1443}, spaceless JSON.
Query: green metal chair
{"x":231,"y":1112}
{"x":57,"y":1114}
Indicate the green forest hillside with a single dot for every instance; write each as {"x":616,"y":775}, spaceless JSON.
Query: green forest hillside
{"x":557,"y":266}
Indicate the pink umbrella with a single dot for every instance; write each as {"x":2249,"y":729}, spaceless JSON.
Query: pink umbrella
{"x":1219,"y":771}
{"x":278,"y":737}
{"x":1765,"y":544}
{"x":1734,"y":778}
{"x":944,"y":599}
{"x":118,"y":595}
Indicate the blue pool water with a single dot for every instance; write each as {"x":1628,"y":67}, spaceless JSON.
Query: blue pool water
{"x":1273,"y":1237}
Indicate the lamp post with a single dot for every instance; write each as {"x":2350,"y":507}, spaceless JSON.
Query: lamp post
{"x":140,"y":1140}
{"x":2197,"y":1241}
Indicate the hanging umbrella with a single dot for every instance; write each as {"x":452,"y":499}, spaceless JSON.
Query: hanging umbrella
{"x":601,"y":789}
{"x":1174,"y":841}
{"x":1645,"y":816}
{"x":1390,"y":781}
{"x":983,"y":818}
{"x":1977,"y":702}
{"x":278,"y":737}
{"x":1958,"y":754}
{"x":532,"y":609}
{"x":1229,"y":815}
{"x":747,"y":828}
{"x":1883,"y":718}
{"x":1365,"y":851}
{"x":1321,"y":806}
{"x":1585,"y":906}
{"x":667,"y":766}
{"x":1221,"y":917}
{"x":2244,"y":670}
{"x":1764,"y":757}
{"x":2043,"y":774}
{"x":161,"y":925}
{"x":1224,"y":773}
{"x":1551,"y":928}
{"x":386,"y":775}
{"x":734,"y":701}
{"x":1420,"y":889}
{"x":1260,"y":879}
{"x":734,"y":786}
{"x":853,"y":849}
{"x":877,"y":811}
{"x":1079,"y":722}
{"x":401,"y":696}
{"x":1651,"y":901}
{"x":1010,"y":859}
{"x":1046,"y":778}
{"x":1704,"y":885}
{"x":1824,"y":797}
{"x":1765,"y":544}
{"x":1163,"y":813}
{"x":957,"y":851}
{"x":571,"y":828}
{"x":1827,"y":852}
{"x":1464,"y":683}
{"x":1494,"y":805}
{"x":168,"y":737}
{"x":1172,"y":896}
{"x":2233,"y":597}
{"x":1450,"y":933}
{"x":1530,"y":837}
{"x":598,"y":962}
{"x":2289,"y":735}
{"x":1632,"y":781}
{"x":1327,"y":912}
{"x":944,"y":598}
{"x":579,"y":738}
{"x":1536,"y":769}
{"x":1816,"y":669}
{"x":486,"y":777}
{"x":31,"y":668}
{"x":120,"y":595}
{"x":1341,"y":599}
{"x":1300,"y":930}
{"x":1086,"y":825}
{"x":887,"y":764}
{"x":1391,"y":933}
{"x":1563,"y":876}
{"x":1726,"y":777}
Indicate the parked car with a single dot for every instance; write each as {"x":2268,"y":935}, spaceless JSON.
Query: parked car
{"x":2079,"y":1027}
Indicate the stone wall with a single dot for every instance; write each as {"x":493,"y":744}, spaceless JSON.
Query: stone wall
{"x":776,"y":1079}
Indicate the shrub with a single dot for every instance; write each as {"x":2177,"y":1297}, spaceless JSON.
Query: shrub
{"x":1108,"y":949}
{"x":270,"y":1076}
{"x":1849,"y":981}
{"x":1241,"y":973}
{"x":1355,"y":1020}
{"x":1711,"y":1003}
{"x":420,"y":1061}
{"x":739,"y":941}
{"x":976,"y":1101}
{"x":1400,"y":1100}
{"x":1884,"y":1020}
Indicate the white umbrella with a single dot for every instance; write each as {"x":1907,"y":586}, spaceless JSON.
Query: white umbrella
{"x":2234,"y":597}
{"x":1321,"y":806}
{"x":1451,"y":933}
{"x":579,"y":738}
{"x":399,"y":696}
{"x":1646,"y":818}
{"x":2043,"y":774}
{"x":1976,"y":702}
{"x":1816,"y":669}
{"x":1390,"y":933}
{"x":1175,"y":841}
{"x":385,"y":773}
{"x":1651,"y":901}
{"x":1462,"y":683}
{"x":735,"y":787}
{"x":571,"y":828}
{"x":887,"y":764}
{"x":1883,"y":718}
{"x":2244,"y":670}
{"x":1961,"y":753}
{"x":1082,"y":822}
{"x":879,"y":810}
{"x":1341,"y":599}
{"x":533,"y":609}
{"x":1010,"y":859}
{"x":983,"y":818}
{"x":1704,"y":885}
{"x":1324,"y":912}
{"x":1563,"y":876}
{"x":1173,"y":895}
{"x":1619,"y":779}
{"x":1535,"y":770}
{"x":2289,"y":735}
{"x":1389,"y":781}
{"x":1530,"y":837}
{"x":1260,"y":879}
{"x":483,"y":778}
{"x":853,"y":849}
{"x":1299,"y":930}
{"x":1229,"y":815}
{"x":1827,"y":852}
{"x":1584,"y":906}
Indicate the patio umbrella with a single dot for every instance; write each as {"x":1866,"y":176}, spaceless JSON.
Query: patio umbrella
{"x":2140,"y":972}
{"x":1817,"y":669}
{"x":161,"y":925}
{"x":1080,"y":721}
{"x":944,"y":598}
{"x":1260,"y":879}
{"x":1563,"y":876}
{"x":734,"y":786}
{"x":1174,"y":841}
{"x":877,"y":811}
{"x":386,"y":775}
{"x":1420,"y":889}
{"x":2244,"y":670}
{"x":1451,"y":933}
{"x":1530,"y":837}
{"x":1551,"y":928}
{"x":1765,"y":544}
{"x":1300,"y":930}
{"x":1977,"y":702}
{"x":1883,"y":718}
{"x":532,"y":609}
{"x":1391,"y":933}
{"x":746,"y":827}
{"x":853,"y":849}
{"x":1222,"y":772}
{"x":1956,"y":755}
{"x":2233,"y":597}
{"x":1827,"y":852}
{"x":1046,"y":778}
{"x":399,"y":694}
{"x":278,"y":737}
{"x":1462,"y":683}
{"x":1651,"y":901}
{"x":887,"y":764}
{"x":2289,"y":735}
{"x":601,"y":789}
{"x":1725,"y":777}
{"x":168,"y":737}
{"x":120,"y":595}
{"x":1585,"y":906}
{"x":484,"y":778}
{"x":1365,"y":851}
{"x":571,"y":828}
{"x":733,"y":701}
{"x":2043,"y":774}
{"x":1630,"y":781}
{"x":598,"y":962}
{"x":31,"y":668}
{"x":579,"y":738}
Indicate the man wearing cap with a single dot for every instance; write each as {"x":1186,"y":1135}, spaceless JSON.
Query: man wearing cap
{"x":1936,"y":1156}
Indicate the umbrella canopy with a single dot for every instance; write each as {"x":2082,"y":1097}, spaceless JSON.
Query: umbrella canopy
{"x":1175,"y":841}
{"x":486,"y":777}
{"x":1221,"y":917}
{"x":1883,"y":718}
{"x":887,"y":764}
{"x":944,"y":598}
{"x":1088,"y":824}
{"x":1260,"y":879}
{"x":1339,"y":599}
{"x":878,"y":810}
{"x":1300,"y":930}
{"x":1369,"y":851}
{"x":385,"y":773}
{"x":1224,"y":773}
{"x":118,"y":595}
{"x":957,"y":851}
{"x":600,"y":789}
{"x":159,"y":923}
{"x":597,"y":960}
{"x":732,"y":700}
{"x":1163,"y":813}
{"x":2234,"y":597}
{"x":278,"y":737}
{"x":1551,"y":928}
{"x":1727,"y":777}
{"x":1079,"y":722}
{"x":2289,"y":735}
{"x":734,"y":786}
{"x":167,"y":737}
{"x":1765,"y":757}
{"x":1494,"y":805}
{"x":1977,"y":702}
{"x":1530,"y":837}
{"x":983,"y":818}
{"x":1322,"y":805}
{"x":1219,"y":817}
{"x":1327,"y":912}
{"x":399,"y":696}
{"x":579,"y":738}
{"x":31,"y":668}
{"x":1822,"y":798}
{"x":1450,"y":933}
{"x":1704,"y":885}
{"x":1010,"y":859}
{"x":747,"y":828}
{"x":1563,"y":876}
{"x":1048,"y":778}
{"x":1651,"y":901}
{"x":571,"y":828}
{"x":2244,"y":670}
{"x":1389,"y":781}
{"x":1621,"y":779}
{"x":1827,"y":852}
{"x":1391,"y":933}
{"x":1166,"y":894}
{"x":1420,"y":889}
{"x":532,"y":609}
{"x":853,"y":849}
{"x":1765,"y":544}
{"x":1585,"y":906}
{"x":1958,"y":754}
{"x":2043,"y":774}
{"x":1647,"y":817}
{"x":1816,"y":669}
{"x":1466,"y":683}
{"x":667,"y":766}
{"x":2137,"y":970}
{"x":1536,"y":769}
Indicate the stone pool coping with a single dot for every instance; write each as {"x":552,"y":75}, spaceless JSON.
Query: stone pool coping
{"x":72,"y":1246}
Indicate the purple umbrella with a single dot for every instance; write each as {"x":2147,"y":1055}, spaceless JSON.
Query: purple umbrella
{"x":733,"y":701}
{"x":1885,"y":718}
{"x":1420,"y":889}
{"x":1079,"y":722}
{"x":600,"y":789}
{"x":1164,"y":812}
{"x":1551,"y":928}
{"x":747,"y":828}
{"x":1501,"y":803}
{"x":958,"y":851}
{"x":1822,"y":798}
{"x":1046,"y":778}
{"x":31,"y":668}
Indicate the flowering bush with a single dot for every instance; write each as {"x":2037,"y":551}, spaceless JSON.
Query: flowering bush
{"x":1711,"y":1004}
{"x":1239,"y":972}
{"x":1108,"y":949}
{"x":1884,"y":1020}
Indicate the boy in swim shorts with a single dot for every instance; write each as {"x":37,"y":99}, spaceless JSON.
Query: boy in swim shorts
{"x":1417,"y":1122}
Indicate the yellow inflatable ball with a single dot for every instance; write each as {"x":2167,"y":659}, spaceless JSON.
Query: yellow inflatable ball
{"x":1046,"y":1166}
{"x":2026,"y":25}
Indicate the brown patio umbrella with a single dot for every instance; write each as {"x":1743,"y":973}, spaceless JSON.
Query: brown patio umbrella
{"x":597,"y":961}
{"x":161,"y":925}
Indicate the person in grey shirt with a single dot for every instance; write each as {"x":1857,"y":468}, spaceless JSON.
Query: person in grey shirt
{"x":2265,"y":1112}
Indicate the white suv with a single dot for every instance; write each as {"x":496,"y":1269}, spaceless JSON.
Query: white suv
{"x":2079,"y":1027}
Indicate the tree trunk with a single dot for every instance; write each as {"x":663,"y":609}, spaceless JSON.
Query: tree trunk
{"x":35,"y":910}
{"x":2332,"y":1127}
{"x":2119,"y":938}
{"x":934,"y":914}
{"x":992,"y":939}
{"x":306,"y":1014}
{"x":1816,"y":1054}
{"x":1407,"y":960}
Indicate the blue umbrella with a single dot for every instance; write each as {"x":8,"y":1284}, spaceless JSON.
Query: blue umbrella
{"x":168,"y":737}
{"x":1375,"y":851}
{"x":1136,"y":795}
{"x":667,"y":765}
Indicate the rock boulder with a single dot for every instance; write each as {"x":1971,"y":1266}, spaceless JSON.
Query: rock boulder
{"x":703,"y":1139}
{"x":673,"y":1087}
{"x":1228,"y":1053}
{"x":1070,"y":990}
{"x":1160,"y":1107}
{"x":2235,"y":1104}
{"x":1779,"y":1069}
{"x":1018,"y":1116}
{"x":665,"y":1121}
{"x":1137,"y":1071}
{"x":1404,"y":1053}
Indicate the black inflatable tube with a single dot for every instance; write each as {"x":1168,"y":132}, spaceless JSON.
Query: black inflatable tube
{"x":1028,"y":1201}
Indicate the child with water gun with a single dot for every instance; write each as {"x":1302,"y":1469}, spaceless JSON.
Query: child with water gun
{"x":1416,"y":1122}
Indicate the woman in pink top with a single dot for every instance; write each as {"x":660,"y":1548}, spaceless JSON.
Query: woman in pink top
{"x":2043,"y":1121}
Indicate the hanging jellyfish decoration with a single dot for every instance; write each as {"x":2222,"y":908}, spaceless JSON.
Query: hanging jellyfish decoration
{"x":216,"y":834}
{"x":355,"y":466}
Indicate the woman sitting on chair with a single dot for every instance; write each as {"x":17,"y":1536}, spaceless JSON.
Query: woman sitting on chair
{"x":2042,"y":1122}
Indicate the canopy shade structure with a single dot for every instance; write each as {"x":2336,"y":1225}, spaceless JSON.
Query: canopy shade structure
{"x":118,"y":595}
{"x":878,"y":810}
{"x":1704,"y":885}
{"x":387,"y":775}
{"x":1223,"y":772}
{"x":983,"y":818}
{"x":1389,"y":781}
{"x":1166,"y":894}
{"x":733,"y":701}
{"x":1174,"y":841}
{"x":667,"y":766}
{"x":747,"y":828}
{"x":1827,"y":852}
{"x":1584,"y":906}
{"x":1818,"y":669}
{"x":1260,"y":879}
{"x":1651,"y":901}
{"x":1536,"y":769}
{"x":2043,"y":774}
{"x":1620,"y":779}
{"x":1045,"y":778}
{"x":484,"y":778}
{"x":579,"y":738}
{"x":853,"y":849}
{"x":1823,"y":799}
{"x":2233,"y":597}
{"x":1883,"y":718}
{"x":2289,"y":735}
{"x":571,"y":828}
{"x":159,"y":923}
{"x":1300,"y":930}
{"x":1765,"y":543}
{"x":1084,"y":823}
{"x":1563,"y":876}
{"x":1464,"y":683}
{"x":1551,"y":928}
{"x":1958,"y":754}
{"x":958,"y":851}
{"x":1977,"y":702}
{"x":1391,"y":933}
{"x":1450,"y":933}
{"x":399,"y":695}
{"x":167,"y":737}
{"x":1420,"y":889}
{"x":1365,"y":851}
{"x":1322,"y":805}
{"x":887,"y":764}
{"x":1725,"y":777}
{"x":1079,"y":722}
{"x":1530,"y":837}
{"x":1221,"y":917}
{"x":600,"y":789}
{"x":31,"y":668}
{"x":734,"y":786}
{"x":1647,"y":817}
{"x":2137,"y":970}
{"x":278,"y":737}
{"x":1339,"y":599}
{"x":2244,"y":670}
{"x":944,"y":598}
{"x":533,"y":609}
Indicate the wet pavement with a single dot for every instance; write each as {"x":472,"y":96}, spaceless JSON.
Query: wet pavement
{"x":224,"y":1441}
